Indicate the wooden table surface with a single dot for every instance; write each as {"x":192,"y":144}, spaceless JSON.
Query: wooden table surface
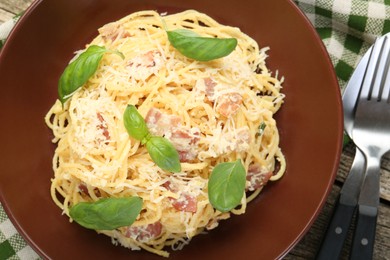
{"x":308,"y":246}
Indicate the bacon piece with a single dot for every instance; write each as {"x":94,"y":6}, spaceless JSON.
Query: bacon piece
{"x":144,"y":233}
{"x":160,"y":123}
{"x":186,"y":156}
{"x":185,"y":202}
{"x":148,"y":59}
{"x":103,"y":126}
{"x":153,"y":116}
{"x":210,"y":85}
{"x":185,"y":136}
{"x":257,"y":177}
{"x":144,"y":65}
{"x":84,"y":190}
{"x":168,"y":185}
{"x":183,"y":139}
{"x":228,"y":104}
{"x":111,"y":32}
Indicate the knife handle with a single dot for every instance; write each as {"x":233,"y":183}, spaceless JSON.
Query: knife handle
{"x":336,"y":232}
{"x":364,"y":237}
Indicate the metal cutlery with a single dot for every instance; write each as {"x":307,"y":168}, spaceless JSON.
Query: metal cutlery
{"x":346,"y":203}
{"x":371,"y":133}
{"x":366,"y":99}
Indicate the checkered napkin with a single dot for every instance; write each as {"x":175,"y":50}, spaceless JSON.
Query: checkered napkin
{"x":12,"y":244}
{"x":347,"y":28}
{"x":5,"y":29}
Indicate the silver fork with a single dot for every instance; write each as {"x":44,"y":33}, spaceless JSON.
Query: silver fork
{"x":371,"y":133}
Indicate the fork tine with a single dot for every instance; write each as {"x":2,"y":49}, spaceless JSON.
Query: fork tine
{"x":371,"y":84}
{"x":382,"y":85}
{"x":385,"y":91}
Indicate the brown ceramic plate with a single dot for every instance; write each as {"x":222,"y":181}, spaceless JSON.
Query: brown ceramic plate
{"x":310,"y":124}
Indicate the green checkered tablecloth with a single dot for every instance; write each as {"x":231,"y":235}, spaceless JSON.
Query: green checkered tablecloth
{"x":12,"y":244}
{"x":347,"y":28}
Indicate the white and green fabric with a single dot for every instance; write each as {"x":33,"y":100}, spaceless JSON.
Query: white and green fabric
{"x":12,"y":244}
{"x":5,"y":29}
{"x":347,"y":27}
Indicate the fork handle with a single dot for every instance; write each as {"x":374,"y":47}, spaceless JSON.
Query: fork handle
{"x":364,"y":237}
{"x":337,"y":231}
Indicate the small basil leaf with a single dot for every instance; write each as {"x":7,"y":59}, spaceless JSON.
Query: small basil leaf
{"x":107,"y":213}
{"x":163,"y":153}
{"x":262,"y":127}
{"x":227,"y":185}
{"x":80,"y":70}
{"x":135,"y":123}
{"x":199,"y":48}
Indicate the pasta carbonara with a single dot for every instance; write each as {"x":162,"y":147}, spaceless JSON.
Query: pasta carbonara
{"x":212,"y":112}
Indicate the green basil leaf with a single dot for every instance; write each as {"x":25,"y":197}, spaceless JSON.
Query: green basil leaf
{"x":107,"y":213}
{"x":135,"y":124}
{"x":160,"y":149}
{"x":200,"y":48}
{"x":163,"y":153}
{"x":262,"y":127}
{"x":80,"y":70}
{"x":185,"y":33}
{"x":227,"y":185}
